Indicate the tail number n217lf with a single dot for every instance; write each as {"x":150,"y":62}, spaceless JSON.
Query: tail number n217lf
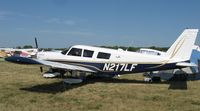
{"x":118,"y":67}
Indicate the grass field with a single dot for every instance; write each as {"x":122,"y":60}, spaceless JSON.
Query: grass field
{"x":22,"y":88}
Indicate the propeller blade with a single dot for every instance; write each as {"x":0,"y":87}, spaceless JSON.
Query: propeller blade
{"x":36,"y":43}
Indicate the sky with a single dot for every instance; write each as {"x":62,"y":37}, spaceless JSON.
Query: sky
{"x":62,"y":23}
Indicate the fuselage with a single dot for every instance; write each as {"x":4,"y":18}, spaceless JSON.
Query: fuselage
{"x":110,"y":61}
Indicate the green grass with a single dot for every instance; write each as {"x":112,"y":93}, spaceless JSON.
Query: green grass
{"x":22,"y":88}
{"x":1,"y":59}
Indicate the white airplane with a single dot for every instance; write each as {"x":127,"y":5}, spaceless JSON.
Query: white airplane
{"x":151,"y":52}
{"x":21,"y":52}
{"x":30,"y":52}
{"x":110,"y":62}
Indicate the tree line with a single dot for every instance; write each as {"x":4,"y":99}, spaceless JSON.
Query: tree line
{"x":137,"y":48}
{"x":111,"y":47}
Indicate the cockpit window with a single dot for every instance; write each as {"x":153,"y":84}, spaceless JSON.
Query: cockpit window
{"x":64,"y":51}
{"x":88,"y":53}
{"x":75,"y":52}
{"x":102,"y":55}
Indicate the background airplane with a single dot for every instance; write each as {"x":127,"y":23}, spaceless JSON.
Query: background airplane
{"x":188,"y":73}
{"x":20,"y":52}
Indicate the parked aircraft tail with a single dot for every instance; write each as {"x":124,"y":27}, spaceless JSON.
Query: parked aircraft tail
{"x":181,"y":49}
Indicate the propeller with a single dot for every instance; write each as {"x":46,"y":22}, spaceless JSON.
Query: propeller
{"x":36,"y":46}
{"x":36,"y":55}
{"x":36,"y":43}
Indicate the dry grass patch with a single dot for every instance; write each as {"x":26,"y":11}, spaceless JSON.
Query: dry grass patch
{"x":23,"y":88}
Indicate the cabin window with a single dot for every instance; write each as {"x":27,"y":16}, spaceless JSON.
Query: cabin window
{"x":88,"y":53}
{"x":75,"y":52}
{"x":102,"y":55}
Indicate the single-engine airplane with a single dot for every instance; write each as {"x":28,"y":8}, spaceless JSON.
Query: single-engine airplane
{"x":111,"y":62}
{"x":21,"y":52}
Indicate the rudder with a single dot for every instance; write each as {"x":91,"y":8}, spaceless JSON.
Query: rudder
{"x":182,"y":47}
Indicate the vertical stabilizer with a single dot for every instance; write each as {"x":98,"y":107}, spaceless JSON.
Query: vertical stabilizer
{"x":182,"y":47}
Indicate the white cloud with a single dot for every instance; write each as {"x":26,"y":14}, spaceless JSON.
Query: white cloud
{"x":4,"y":14}
{"x":82,"y":33}
{"x":75,"y":33}
{"x":53,"y":20}
{"x":69,"y":22}
{"x":60,"y":21}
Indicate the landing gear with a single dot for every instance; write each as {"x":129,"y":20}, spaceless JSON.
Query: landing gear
{"x":147,"y":79}
{"x":75,"y":77}
{"x":151,"y":77}
{"x":52,"y":73}
{"x":69,"y":77}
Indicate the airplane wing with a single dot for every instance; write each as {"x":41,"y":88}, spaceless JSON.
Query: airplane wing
{"x":63,"y":66}
{"x":25,"y":60}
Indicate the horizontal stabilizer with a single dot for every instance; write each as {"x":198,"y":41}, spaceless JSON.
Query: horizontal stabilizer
{"x":185,"y":64}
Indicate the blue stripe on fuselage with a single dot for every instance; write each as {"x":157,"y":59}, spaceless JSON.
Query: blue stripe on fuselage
{"x":100,"y":67}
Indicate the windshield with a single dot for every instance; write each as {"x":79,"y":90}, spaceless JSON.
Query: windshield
{"x":64,"y":51}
